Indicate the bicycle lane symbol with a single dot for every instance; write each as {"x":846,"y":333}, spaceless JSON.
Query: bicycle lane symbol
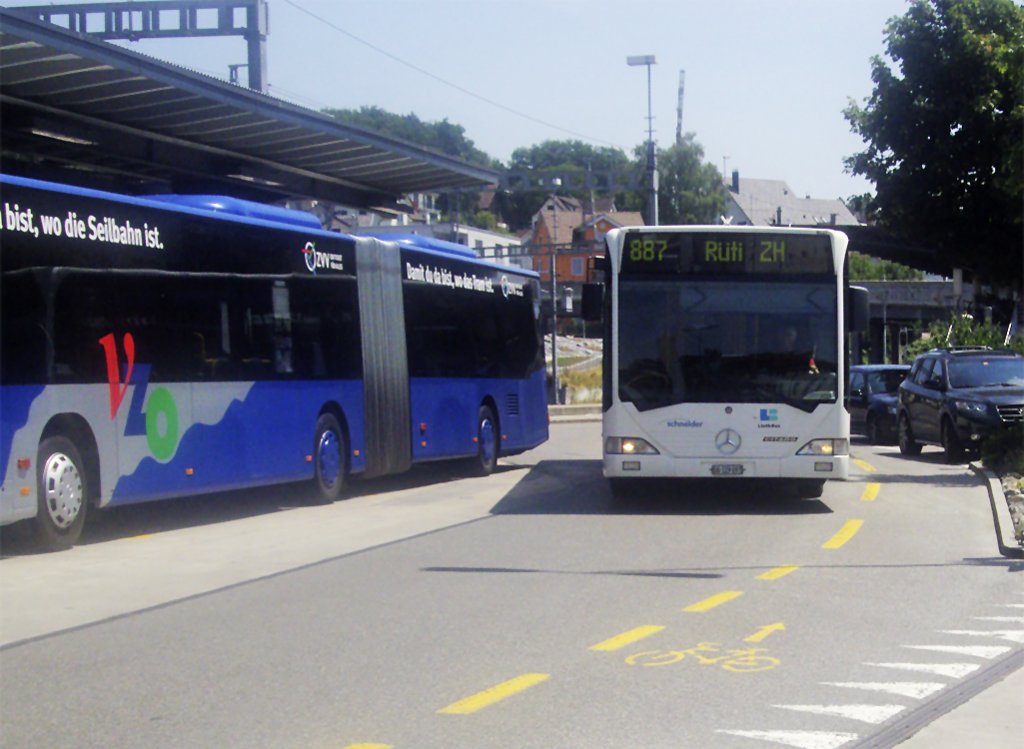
{"x":736,"y":660}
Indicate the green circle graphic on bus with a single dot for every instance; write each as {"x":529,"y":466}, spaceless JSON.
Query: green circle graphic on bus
{"x":162,"y":424}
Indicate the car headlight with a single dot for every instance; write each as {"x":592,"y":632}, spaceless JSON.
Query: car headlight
{"x":827,"y":448}
{"x":629,"y":446}
{"x":971,"y":408}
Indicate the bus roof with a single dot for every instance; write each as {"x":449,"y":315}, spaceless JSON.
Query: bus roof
{"x":244,"y":208}
{"x":248,"y":211}
{"x":421,"y":241}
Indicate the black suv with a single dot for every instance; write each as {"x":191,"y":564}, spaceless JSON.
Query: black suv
{"x":956,"y":398}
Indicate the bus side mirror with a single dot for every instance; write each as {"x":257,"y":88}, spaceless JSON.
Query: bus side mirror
{"x":858,"y":309}
{"x":592,"y":302}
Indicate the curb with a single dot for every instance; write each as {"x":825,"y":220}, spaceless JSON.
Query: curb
{"x":1005,"y":538}
{"x":576,"y":412}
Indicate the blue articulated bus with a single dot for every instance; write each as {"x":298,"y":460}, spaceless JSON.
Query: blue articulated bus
{"x":173,"y":345}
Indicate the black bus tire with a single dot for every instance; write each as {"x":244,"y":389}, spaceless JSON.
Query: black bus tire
{"x":329,"y":453}
{"x":810,"y":488}
{"x":63,"y":494}
{"x":488,"y":443}
{"x":622,"y":489}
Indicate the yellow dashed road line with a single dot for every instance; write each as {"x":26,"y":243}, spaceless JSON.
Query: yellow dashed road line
{"x":870,"y":492}
{"x":778,"y":572}
{"x":864,"y":465}
{"x":848,"y":531}
{"x":716,"y":600}
{"x":627,"y":638}
{"x":496,"y":693}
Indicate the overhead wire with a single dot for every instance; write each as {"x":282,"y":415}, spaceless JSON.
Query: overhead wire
{"x":445,"y":82}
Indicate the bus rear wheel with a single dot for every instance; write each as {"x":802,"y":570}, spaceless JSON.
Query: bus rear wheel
{"x":329,"y":451}
{"x":62,"y":492}
{"x":487,"y":443}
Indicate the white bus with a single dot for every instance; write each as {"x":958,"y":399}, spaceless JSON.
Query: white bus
{"x":725,"y":354}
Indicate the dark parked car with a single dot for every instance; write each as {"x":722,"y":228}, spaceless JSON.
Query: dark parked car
{"x":957,"y":398}
{"x":872,"y":401}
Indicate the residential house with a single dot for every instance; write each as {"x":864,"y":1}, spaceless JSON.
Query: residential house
{"x":576,"y":232}
{"x":768,"y":202}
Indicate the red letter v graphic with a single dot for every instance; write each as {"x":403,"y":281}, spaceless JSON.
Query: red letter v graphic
{"x":113,"y":377}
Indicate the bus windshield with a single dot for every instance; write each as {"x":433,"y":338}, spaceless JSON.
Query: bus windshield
{"x":727,"y":341}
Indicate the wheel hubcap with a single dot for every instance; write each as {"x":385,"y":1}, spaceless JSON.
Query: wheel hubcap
{"x":487,"y":441}
{"x":63,"y":486}
{"x":329,"y":458}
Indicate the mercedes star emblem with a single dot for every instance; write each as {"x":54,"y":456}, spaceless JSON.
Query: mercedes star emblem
{"x":728,"y":441}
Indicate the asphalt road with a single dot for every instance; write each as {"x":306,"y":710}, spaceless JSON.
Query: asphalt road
{"x":527,"y":609}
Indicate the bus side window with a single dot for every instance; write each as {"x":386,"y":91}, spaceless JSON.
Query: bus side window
{"x":25,"y":336}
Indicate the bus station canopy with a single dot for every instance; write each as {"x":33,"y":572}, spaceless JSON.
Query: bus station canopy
{"x":71,"y":104}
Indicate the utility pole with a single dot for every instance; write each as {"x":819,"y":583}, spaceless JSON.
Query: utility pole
{"x":652,"y":167}
{"x":679,"y":108}
{"x":554,"y":297}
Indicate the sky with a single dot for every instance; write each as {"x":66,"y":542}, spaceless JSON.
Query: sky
{"x":766,"y":81}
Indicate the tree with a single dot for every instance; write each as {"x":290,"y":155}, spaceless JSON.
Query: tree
{"x":690,"y":191}
{"x":565,"y":157}
{"x":863,"y":207}
{"x":442,"y":136}
{"x":944,"y":133}
{"x":866,"y":268}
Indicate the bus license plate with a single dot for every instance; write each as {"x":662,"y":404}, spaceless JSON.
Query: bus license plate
{"x":727,"y":469}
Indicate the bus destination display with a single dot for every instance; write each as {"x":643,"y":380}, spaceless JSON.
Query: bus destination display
{"x":702,"y":253}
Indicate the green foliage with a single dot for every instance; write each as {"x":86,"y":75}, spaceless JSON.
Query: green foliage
{"x":866,"y":268}
{"x":690,"y":191}
{"x":552,"y":154}
{"x":863,"y":206}
{"x":484,"y":220}
{"x":1004,"y":452}
{"x":442,"y":136}
{"x":962,"y":330}
{"x":565,"y":156}
{"x":943,"y":133}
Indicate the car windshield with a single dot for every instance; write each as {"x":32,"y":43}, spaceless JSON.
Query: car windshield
{"x":887,"y":381}
{"x":976,"y":373}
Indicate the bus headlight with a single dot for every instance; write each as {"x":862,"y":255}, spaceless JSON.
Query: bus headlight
{"x":826,"y":448}
{"x":629,"y":446}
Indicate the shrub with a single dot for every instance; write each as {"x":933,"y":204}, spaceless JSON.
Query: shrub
{"x":583,"y":386}
{"x":962,"y":330}
{"x":1004,"y":452}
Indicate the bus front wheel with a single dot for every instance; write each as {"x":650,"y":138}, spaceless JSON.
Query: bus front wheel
{"x":62,"y":492}
{"x":810,"y":488}
{"x":329,"y":451}
{"x":487,"y":442}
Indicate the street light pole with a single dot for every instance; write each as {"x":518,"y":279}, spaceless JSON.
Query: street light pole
{"x":652,"y":167}
{"x":554,"y":300}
